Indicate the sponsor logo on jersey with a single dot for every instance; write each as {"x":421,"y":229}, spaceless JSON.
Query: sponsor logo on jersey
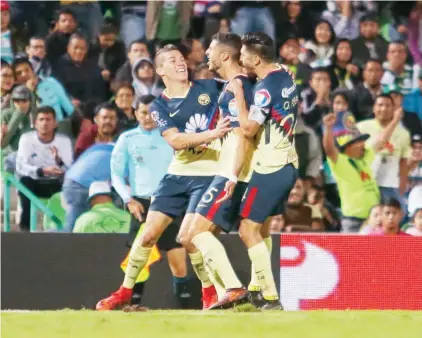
{"x":196,"y":124}
{"x":287,"y":91}
{"x":204,"y":99}
{"x":232,"y":107}
{"x":262,"y":98}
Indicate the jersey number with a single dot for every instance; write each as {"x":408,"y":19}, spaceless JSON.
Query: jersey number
{"x":207,"y":197}
{"x":287,"y":140}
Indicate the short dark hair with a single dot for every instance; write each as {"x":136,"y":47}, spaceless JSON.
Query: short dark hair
{"x":21,"y":61}
{"x":372,"y":60}
{"x":340,"y":92}
{"x":126,"y":85}
{"x":66,"y":11}
{"x":4,"y":63}
{"x":385,"y":96}
{"x":391,"y":202}
{"x":36,"y":37}
{"x":231,"y":40}
{"x":320,"y":70}
{"x":370,"y":16}
{"x":261,"y":44}
{"x":137,"y":41}
{"x":105,"y":106}
{"x":45,"y":110}
{"x":144,"y":99}
{"x":78,"y":36}
{"x":108,"y":28}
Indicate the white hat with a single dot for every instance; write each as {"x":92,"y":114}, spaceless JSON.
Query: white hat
{"x":99,"y":188}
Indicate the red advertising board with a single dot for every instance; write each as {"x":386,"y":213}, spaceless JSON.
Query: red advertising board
{"x":350,"y":272}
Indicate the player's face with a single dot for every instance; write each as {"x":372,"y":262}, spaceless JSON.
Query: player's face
{"x":213,"y":55}
{"x":247,"y":60}
{"x":173,"y":66}
{"x":144,"y":117}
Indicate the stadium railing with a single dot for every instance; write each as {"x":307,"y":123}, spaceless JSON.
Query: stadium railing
{"x":36,"y":204}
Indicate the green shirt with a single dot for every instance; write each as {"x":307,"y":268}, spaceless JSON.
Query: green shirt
{"x":357,"y":187}
{"x":103,"y":218}
{"x":168,"y":26}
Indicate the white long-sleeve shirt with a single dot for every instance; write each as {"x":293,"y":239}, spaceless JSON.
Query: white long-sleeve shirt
{"x":34,"y":154}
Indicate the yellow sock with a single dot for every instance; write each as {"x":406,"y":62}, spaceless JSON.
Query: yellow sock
{"x":216,"y":280}
{"x":216,"y":257}
{"x":199,"y":268}
{"x":138,"y":258}
{"x":261,"y":261}
{"x":254,"y":283}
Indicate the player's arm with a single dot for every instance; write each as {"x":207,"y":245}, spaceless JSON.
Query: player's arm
{"x":328,"y":137}
{"x":179,"y":141}
{"x":385,"y":135}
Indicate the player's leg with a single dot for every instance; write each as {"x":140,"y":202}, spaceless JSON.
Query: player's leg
{"x":265,"y":194}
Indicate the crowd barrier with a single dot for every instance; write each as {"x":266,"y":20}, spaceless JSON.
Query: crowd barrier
{"x":45,"y":271}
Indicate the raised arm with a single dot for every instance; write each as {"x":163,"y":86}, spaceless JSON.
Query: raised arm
{"x":385,"y":135}
{"x":328,"y":137}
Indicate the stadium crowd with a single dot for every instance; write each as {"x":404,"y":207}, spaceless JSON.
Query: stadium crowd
{"x":75,"y":75}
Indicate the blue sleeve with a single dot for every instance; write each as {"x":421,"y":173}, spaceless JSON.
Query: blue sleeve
{"x":261,"y":104}
{"x":161,"y":117}
{"x":410,"y":103}
{"x":119,"y":168}
{"x":64,"y":100}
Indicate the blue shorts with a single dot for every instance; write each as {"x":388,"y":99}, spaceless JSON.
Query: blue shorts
{"x":267,"y":194}
{"x":226,"y":214}
{"x":177,"y":195}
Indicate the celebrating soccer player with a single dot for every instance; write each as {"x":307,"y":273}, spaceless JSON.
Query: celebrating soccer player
{"x":271,"y":120}
{"x":186,"y":114}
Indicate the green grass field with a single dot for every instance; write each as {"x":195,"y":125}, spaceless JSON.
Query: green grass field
{"x":220,"y":324}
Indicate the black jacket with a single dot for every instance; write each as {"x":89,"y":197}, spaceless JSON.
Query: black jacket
{"x":362,"y":103}
{"x":361,"y":52}
{"x":56,"y":45}
{"x":111,"y":58}
{"x":124,"y":74}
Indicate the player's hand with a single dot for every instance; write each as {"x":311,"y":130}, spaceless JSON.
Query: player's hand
{"x":329,"y":120}
{"x":236,"y":87}
{"x":229,"y":189}
{"x":136,"y":209}
{"x":222,"y":128}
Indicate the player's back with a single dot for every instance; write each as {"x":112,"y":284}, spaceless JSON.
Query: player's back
{"x":195,"y":113}
{"x":227,"y":106}
{"x":275,"y":100}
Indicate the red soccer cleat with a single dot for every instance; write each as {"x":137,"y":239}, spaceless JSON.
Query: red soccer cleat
{"x":231,"y":298}
{"x":209,"y":297}
{"x":116,"y":301}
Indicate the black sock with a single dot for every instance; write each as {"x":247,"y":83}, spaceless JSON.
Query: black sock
{"x":138,"y":291}
{"x":182,"y":291}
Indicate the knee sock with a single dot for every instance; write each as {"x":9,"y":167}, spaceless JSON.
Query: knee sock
{"x":254,"y":283}
{"x":261,"y":261}
{"x":216,"y":280}
{"x":216,"y":257}
{"x":199,"y":267}
{"x":138,"y":291}
{"x":138,"y":258}
{"x":182,"y":291}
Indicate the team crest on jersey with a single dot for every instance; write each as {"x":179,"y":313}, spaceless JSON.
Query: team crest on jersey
{"x":204,"y":99}
{"x":232,"y":107}
{"x":262,"y":98}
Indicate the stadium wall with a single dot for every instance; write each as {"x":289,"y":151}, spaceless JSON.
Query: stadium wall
{"x":54,"y":271}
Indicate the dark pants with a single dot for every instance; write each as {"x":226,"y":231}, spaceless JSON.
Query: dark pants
{"x":41,"y":189}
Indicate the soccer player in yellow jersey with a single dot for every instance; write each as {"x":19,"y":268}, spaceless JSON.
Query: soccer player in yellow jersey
{"x":271,"y":119}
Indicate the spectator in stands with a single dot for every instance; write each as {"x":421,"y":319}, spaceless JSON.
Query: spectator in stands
{"x":316,"y":98}
{"x":145,"y":81}
{"x":103,"y":217}
{"x":18,"y":119}
{"x":125,"y":96}
{"x":391,"y":216}
{"x":289,"y":56}
{"x":93,"y":165}
{"x":321,"y":46}
{"x":80,"y":76}
{"x":137,"y":49}
{"x":369,"y":44}
{"x":7,"y":82}
{"x":350,"y":163}
{"x":8,"y":49}
{"x":168,"y":21}
{"x":132,"y":21}
{"x":202,"y":72}
{"x":300,"y":216}
{"x":413,"y":101}
{"x":396,"y":71}
{"x":251,"y":16}
{"x":276,"y":224}
{"x":37,"y":56}
{"x":58,"y":40}
{"x":415,"y":32}
{"x":43,"y":157}
{"x":373,"y":223}
{"x":293,"y":21}
{"x":414,"y":200}
{"x":416,"y":228}
{"x":364,"y":93}
{"x":340,"y":102}
{"x":316,"y":198}
{"x":344,"y":19}
{"x":103,"y":131}
{"x":47,"y":91}
{"x":194,"y":53}
{"x":415,"y":163}
{"x":344,"y":73}
{"x":391,"y":155}
{"x":108,"y":52}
